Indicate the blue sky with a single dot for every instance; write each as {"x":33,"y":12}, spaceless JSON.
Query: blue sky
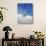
{"x":25,"y":8}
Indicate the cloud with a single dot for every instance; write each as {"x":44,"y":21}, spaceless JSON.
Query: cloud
{"x":25,"y":20}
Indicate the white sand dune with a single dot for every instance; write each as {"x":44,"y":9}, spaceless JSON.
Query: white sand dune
{"x":25,"y":20}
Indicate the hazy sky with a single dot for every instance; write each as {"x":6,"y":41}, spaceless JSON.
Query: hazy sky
{"x":25,"y":8}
